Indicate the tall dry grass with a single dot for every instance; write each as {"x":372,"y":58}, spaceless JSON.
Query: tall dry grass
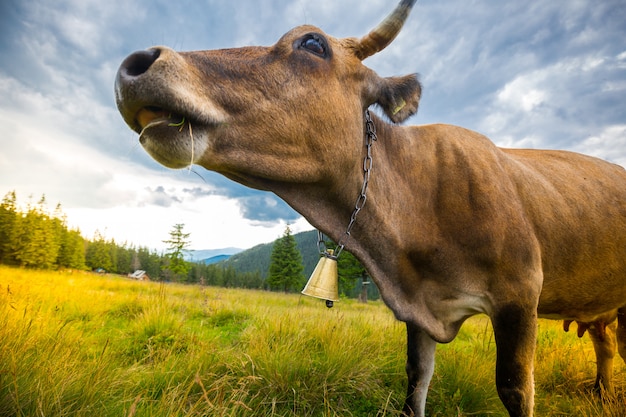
{"x":78,"y":344}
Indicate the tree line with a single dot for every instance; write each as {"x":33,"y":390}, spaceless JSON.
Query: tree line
{"x":34,"y":237}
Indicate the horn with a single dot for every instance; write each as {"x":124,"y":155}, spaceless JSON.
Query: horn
{"x":385,"y":32}
{"x":324,"y":281}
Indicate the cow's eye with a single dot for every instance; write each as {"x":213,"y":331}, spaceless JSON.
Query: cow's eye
{"x":314,"y":44}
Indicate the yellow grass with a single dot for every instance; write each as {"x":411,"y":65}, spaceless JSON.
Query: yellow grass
{"x":79,"y":344}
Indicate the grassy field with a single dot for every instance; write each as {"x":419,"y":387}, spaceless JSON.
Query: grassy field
{"x":78,"y":344}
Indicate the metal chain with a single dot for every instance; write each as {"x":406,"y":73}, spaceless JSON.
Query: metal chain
{"x":370,"y":137}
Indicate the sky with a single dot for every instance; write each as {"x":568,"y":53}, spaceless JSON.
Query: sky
{"x":534,"y":74}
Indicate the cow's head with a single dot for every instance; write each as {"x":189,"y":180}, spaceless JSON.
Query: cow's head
{"x":290,"y":112}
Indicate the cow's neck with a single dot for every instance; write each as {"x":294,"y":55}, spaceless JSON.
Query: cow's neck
{"x":329,"y":206}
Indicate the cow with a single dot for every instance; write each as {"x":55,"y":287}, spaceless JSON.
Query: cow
{"x":454,"y":226}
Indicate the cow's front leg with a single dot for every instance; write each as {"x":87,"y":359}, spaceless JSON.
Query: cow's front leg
{"x":515,"y":329}
{"x":420,"y":365}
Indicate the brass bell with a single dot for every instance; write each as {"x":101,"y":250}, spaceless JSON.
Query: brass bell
{"x":324,"y":281}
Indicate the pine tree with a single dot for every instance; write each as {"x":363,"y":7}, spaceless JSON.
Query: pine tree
{"x":34,"y":240}
{"x":112,"y":249}
{"x":350,"y":271}
{"x":135,"y":263}
{"x":124,"y":259}
{"x":72,"y":250}
{"x":177,"y":246}
{"x":150,"y":262}
{"x":8,"y":218}
{"x":98,"y":255}
{"x":285,"y":272}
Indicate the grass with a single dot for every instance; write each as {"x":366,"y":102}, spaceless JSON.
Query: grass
{"x":78,"y":344}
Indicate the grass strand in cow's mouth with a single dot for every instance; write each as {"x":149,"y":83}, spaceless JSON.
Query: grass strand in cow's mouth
{"x":191,"y":162}
{"x":152,"y":114}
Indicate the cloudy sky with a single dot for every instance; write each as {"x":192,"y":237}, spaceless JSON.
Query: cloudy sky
{"x":538,"y":74}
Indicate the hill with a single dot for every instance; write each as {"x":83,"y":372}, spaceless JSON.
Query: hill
{"x":257,"y":258}
{"x":215,"y":259}
{"x":205,"y":254}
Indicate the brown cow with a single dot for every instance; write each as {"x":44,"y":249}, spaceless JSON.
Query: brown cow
{"x":454,"y":226}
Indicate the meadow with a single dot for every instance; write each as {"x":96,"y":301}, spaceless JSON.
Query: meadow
{"x":80,"y":344}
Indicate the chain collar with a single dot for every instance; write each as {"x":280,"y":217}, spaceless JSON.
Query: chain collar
{"x":370,"y":137}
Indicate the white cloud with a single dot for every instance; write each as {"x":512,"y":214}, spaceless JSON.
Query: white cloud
{"x":521,"y":95}
{"x":556,"y":106}
{"x":84,"y":24}
{"x":608,"y":144}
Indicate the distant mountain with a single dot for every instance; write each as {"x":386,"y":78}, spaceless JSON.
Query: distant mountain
{"x":204,"y":254}
{"x":215,"y":259}
{"x":258,"y":257}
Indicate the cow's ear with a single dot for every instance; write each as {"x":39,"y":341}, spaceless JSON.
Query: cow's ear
{"x":399,"y":96}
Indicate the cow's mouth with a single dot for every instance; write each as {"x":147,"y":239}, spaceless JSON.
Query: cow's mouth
{"x":152,"y":114}
{"x":168,"y":136}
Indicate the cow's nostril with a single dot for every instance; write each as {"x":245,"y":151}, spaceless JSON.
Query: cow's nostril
{"x":139,"y":62}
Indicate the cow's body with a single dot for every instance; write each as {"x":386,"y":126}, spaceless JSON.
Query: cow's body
{"x":453,"y":225}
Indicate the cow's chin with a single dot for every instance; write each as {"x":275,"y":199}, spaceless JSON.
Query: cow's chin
{"x":174,"y":146}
